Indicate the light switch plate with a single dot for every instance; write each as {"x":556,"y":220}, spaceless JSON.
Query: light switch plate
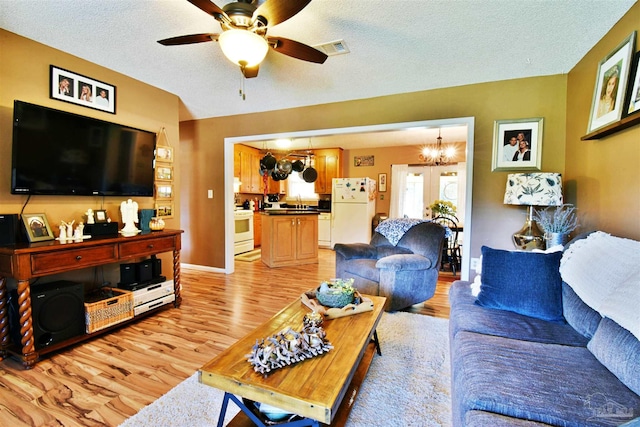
{"x":210,"y":194}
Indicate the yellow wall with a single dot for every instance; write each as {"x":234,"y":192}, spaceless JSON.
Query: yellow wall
{"x":202,"y":149}
{"x":605,"y":173}
{"x":24,"y":73}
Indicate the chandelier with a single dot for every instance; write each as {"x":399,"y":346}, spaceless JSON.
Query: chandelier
{"x":438,"y":156}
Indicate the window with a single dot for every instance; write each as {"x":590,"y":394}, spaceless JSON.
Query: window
{"x":298,"y":187}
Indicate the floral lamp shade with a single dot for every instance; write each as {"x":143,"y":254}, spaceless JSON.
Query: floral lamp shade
{"x":534,"y":189}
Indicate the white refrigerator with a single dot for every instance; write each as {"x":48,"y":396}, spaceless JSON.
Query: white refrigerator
{"x":353,"y":206}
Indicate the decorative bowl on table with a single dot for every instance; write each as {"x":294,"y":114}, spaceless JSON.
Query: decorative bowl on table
{"x":336,"y":293}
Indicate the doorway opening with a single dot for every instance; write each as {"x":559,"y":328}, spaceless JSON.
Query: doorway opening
{"x":229,"y":200}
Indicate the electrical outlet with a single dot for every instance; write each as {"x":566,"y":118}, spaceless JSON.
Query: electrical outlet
{"x":474,"y":263}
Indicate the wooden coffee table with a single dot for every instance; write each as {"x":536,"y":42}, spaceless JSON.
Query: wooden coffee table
{"x":321,"y":389}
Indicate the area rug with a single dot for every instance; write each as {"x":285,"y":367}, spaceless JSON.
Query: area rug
{"x":409,"y":385}
{"x":250,"y":256}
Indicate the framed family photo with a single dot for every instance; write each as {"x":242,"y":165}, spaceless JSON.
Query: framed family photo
{"x":611,"y":83}
{"x":633,"y":93}
{"x":164,"y":153}
{"x":101,"y":216}
{"x":164,"y":209}
{"x":517,"y":145}
{"x":82,"y":90}
{"x":164,"y":191}
{"x":37,"y":227}
{"x":164,"y":173}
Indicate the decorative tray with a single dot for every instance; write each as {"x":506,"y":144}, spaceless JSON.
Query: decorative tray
{"x":309,"y":299}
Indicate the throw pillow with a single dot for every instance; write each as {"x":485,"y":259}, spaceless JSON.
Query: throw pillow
{"x":526,"y":283}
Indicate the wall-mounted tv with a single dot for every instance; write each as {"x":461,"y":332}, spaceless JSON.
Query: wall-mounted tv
{"x":59,"y":153}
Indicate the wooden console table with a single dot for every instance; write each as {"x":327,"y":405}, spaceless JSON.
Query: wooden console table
{"x":24,"y":262}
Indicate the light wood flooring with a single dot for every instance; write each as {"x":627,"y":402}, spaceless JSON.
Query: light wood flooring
{"x":108,"y":379}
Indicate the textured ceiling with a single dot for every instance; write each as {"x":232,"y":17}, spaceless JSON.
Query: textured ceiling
{"x":396,"y":46}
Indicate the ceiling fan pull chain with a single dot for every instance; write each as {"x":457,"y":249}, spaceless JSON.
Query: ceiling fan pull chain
{"x":242,"y":93}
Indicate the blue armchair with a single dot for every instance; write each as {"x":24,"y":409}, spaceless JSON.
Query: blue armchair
{"x":405,"y":273}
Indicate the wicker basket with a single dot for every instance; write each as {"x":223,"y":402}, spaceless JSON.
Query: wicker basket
{"x":110,"y":311}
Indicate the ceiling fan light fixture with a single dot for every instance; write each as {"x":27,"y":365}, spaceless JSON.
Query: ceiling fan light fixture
{"x":243,"y":47}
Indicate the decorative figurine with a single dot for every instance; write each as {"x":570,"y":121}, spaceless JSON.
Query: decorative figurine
{"x":129,"y":211}
{"x":89,"y":214}
{"x":63,"y":231}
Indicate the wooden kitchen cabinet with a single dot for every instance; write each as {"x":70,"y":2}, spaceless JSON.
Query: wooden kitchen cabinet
{"x":290,"y":239}
{"x":246,"y":165}
{"x":328,"y":164}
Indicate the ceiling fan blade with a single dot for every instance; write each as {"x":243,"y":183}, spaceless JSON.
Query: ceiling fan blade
{"x":208,"y":7}
{"x":191,"y":38}
{"x":250,"y":72}
{"x":296,"y":50}
{"x":277,"y":11}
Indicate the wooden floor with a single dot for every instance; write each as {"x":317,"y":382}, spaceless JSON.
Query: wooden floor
{"x":108,"y":379}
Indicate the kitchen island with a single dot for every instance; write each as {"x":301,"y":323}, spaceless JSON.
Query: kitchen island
{"x":289,"y":237}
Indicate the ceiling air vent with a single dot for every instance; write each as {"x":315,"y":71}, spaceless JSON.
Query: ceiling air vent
{"x":338,"y":47}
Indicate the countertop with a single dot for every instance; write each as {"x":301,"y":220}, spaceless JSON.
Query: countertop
{"x":290,"y":212}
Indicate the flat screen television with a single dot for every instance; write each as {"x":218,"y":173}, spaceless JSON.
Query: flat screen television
{"x":59,"y":153}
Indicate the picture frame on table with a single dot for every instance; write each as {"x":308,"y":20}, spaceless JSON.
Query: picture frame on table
{"x":610,"y":88}
{"x":382,"y":182}
{"x":100,"y":216}
{"x":37,"y":227}
{"x":633,"y":90}
{"x":77,"y":89}
{"x":164,"y":153}
{"x":508,"y":138}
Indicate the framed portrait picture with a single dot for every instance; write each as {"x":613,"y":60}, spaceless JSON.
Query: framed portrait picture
{"x":82,"y":90}
{"x":164,"y":153}
{"x":382,"y":182}
{"x":517,"y":145}
{"x":164,"y":210}
{"x":101,"y":216}
{"x":633,"y":92}
{"x":611,"y":83}
{"x":164,"y":190}
{"x":164,"y":173}
{"x":37,"y":227}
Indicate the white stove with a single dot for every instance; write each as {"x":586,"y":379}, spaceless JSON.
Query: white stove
{"x":243,"y":237}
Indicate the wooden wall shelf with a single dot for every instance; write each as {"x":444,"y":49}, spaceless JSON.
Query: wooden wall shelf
{"x":616,"y":127}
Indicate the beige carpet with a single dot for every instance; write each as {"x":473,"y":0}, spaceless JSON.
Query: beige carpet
{"x":407,"y":386}
{"x":250,"y":256}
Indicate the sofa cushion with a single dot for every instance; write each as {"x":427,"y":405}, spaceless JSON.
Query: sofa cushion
{"x":364,"y":268}
{"x":547,"y":383}
{"x":465,"y":315}
{"x":579,"y":315}
{"x":531,"y":286}
{"x":388,"y":250}
{"x":404,"y":262}
{"x":618,"y":350}
{"x":355,"y":250}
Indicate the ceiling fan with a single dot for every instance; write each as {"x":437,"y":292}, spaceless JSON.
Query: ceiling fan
{"x":244,"y":39}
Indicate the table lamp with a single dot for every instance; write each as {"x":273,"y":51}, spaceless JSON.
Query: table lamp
{"x":532,"y":189}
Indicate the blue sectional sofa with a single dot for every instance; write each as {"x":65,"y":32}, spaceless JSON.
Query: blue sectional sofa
{"x":528,"y":351}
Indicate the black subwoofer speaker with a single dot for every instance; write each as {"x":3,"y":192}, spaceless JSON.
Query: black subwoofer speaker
{"x":57,"y":311}
{"x":128,"y":273}
{"x":9,"y":229}
{"x":145,"y":271}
